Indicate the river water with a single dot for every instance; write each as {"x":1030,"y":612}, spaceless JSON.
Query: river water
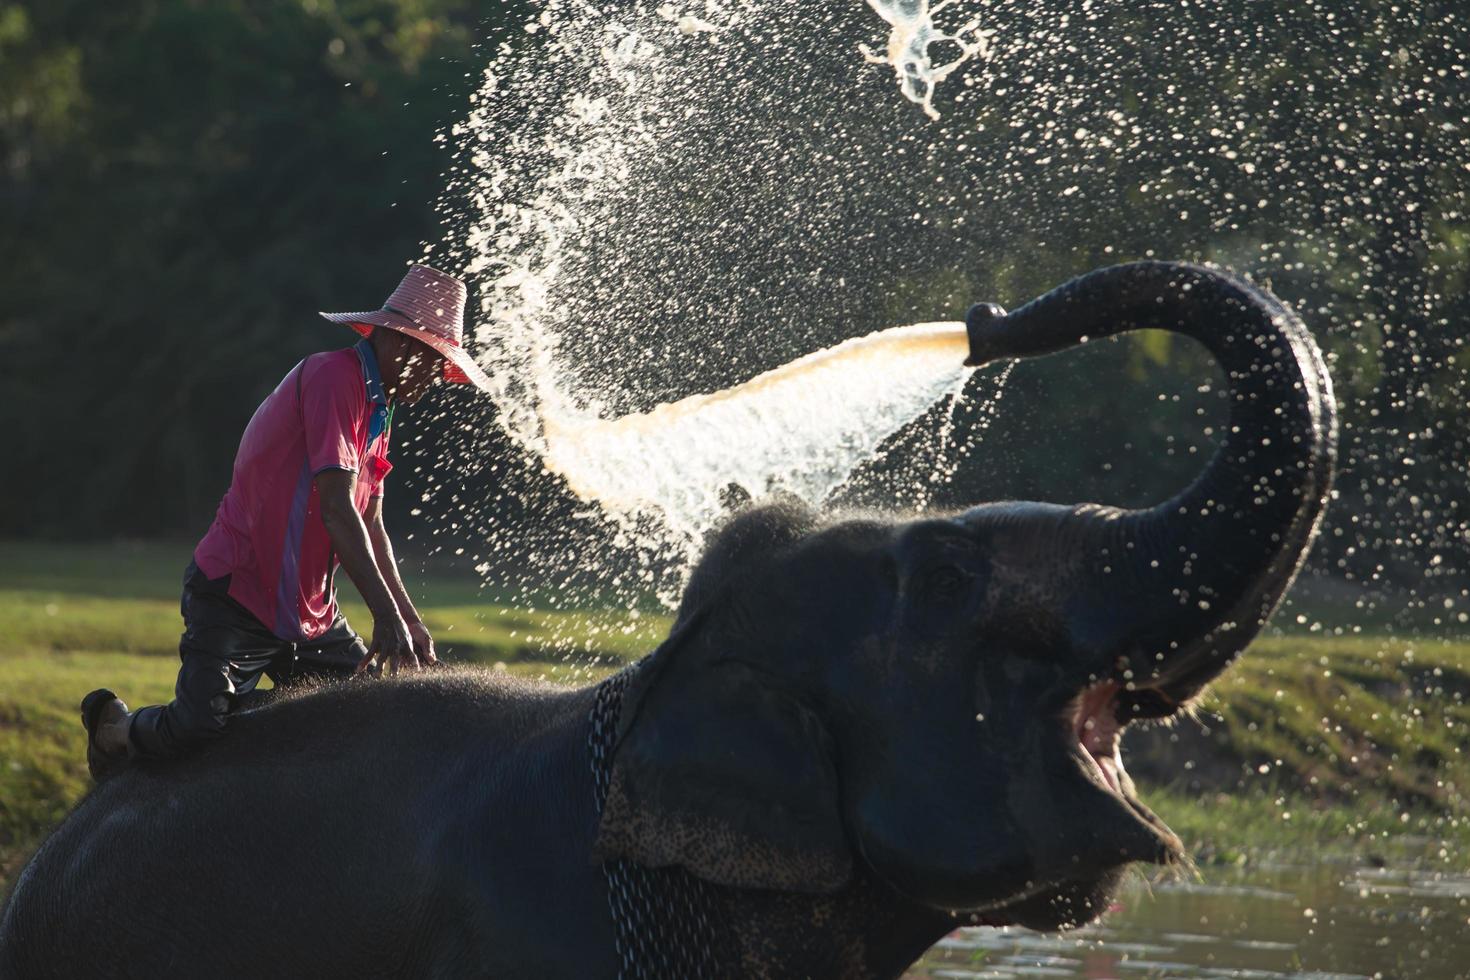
{"x":1306,"y":917}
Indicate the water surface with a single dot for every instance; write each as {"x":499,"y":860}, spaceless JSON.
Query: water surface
{"x":1306,"y":918}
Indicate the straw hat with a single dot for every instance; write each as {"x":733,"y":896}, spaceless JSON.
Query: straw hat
{"x":428,"y":305}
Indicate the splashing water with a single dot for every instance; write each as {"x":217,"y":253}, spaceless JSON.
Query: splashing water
{"x":673,"y":196}
{"x":908,"y":47}
{"x":574,"y":178}
{"x":801,"y":428}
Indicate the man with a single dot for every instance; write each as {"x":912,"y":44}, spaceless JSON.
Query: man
{"x":306,"y":495}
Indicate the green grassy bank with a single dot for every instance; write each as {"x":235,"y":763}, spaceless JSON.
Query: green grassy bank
{"x":1313,"y":743}
{"x":78,"y":617}
{"x":1360,"y":742}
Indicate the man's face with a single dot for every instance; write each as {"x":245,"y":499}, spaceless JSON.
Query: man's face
{"x":410,"y":368}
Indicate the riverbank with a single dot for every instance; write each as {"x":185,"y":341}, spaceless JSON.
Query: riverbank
{"x":1357,"y":744}
{"x":1312,"y":742}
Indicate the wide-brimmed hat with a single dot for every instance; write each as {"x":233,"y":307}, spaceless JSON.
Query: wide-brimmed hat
{"x":428,"y":305}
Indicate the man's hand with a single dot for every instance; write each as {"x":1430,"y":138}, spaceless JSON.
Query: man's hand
{"x":423,"y":643}
{"x":392,"y":645}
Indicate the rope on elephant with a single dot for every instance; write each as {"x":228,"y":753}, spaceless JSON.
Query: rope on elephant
{"x":664,"y":918}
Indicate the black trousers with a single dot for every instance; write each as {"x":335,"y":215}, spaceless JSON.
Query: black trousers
{"x":224,"y":652}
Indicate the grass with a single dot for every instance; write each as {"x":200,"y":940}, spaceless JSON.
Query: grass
{"x":1312,"y":742}
{"x":1358,"y":740}
{"x":125,"y":598}
{"x":1337,"y":717}
{"x":84,"y":616}
{"x":1268,"y":821}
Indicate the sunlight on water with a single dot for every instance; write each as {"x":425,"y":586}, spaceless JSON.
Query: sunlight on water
{"x":801,"y":428}
{"x":578,"y":168}
{"x":909,"y":43}
{"x":1303,"y":919}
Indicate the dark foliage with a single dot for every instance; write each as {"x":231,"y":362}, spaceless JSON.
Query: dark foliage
{"x":184,"y":184}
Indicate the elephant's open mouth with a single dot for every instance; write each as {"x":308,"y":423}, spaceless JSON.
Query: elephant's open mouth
{"x":1097,"y":718}
{"x":1094,"y":722}
{"x":1094,"y":725}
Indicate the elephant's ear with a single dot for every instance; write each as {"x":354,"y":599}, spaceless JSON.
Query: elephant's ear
{"x":718,"y":771}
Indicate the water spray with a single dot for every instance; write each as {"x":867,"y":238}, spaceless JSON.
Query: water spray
{"x":913,"y":33}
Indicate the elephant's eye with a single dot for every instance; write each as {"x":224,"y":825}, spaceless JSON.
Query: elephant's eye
{"x":947,"y":582}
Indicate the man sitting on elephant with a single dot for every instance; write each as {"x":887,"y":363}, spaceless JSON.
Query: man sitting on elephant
{"x":306,"y":495}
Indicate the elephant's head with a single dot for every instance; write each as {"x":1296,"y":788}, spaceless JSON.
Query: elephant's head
{"x":937,"y":703}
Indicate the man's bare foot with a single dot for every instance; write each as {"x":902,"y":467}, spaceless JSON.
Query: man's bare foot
{"x":106,"y":719}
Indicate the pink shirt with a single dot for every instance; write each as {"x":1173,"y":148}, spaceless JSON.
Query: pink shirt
{"x":268,"y":534}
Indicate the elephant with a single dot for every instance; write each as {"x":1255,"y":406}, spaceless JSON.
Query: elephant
{"x":861,"y":731}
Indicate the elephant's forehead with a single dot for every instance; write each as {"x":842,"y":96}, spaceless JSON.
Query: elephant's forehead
{"x":1021,"y":581}
{"x":1031,"y":566}
{"x":1024,"y":539}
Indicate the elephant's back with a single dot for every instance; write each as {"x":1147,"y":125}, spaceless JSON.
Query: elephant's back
{"x":26,"y":911}
{"x":340,"y":805}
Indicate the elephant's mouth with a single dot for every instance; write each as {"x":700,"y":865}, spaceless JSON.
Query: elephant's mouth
{"x":1093,"y":719}
{"x":1094,"y":722}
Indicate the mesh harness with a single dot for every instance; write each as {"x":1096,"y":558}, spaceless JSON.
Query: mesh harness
{"x":662,"y":917}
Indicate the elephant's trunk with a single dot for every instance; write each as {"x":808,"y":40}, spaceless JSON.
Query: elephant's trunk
{"x":1220,"y":555}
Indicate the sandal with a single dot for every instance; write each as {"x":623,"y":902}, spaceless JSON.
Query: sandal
{"x":99,"y":763}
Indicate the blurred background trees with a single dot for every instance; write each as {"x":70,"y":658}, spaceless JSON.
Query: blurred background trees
{"x":182,"y":185}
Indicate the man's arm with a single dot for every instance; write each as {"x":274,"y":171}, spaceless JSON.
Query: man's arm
{"x":391,"y":642}
{"x":423,"y":643}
